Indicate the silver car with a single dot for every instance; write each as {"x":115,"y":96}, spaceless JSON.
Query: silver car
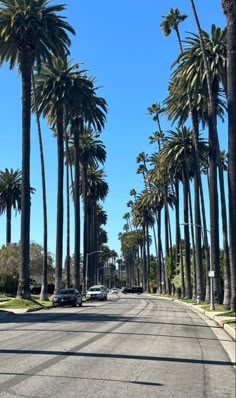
{"x":96,"y":292}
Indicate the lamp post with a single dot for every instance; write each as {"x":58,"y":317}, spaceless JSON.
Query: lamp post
{"x":86,"y":268}
{"x":211,"y":273}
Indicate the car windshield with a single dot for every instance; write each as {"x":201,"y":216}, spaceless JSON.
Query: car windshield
{"x":95,"y":289}
{"x":66,"y":291}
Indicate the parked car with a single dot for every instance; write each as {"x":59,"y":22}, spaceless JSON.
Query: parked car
{"x":97,"y":292}
{"x":67,"y":297}
{"x":133,"y":289}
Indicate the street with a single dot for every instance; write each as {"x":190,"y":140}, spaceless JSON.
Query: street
{"x":129,"y":346}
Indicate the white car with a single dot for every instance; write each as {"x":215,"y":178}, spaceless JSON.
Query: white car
{"x":96,"y":292}
{"x":114,"y":290}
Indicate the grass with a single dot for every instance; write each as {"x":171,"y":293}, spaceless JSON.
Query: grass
{"x":218,"y":308}
{"x":231,"y":324}
{"x":189,"y":301}
{"x":19,"y":303}
{"x":230,"y":313}
{"x":34,"y":302}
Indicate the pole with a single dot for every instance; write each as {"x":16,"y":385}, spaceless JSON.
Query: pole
{"x":86,"y":273}
{"x":212,"y":306}
{"x":86,"y":268}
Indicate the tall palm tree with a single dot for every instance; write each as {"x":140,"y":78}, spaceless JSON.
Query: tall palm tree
{"x":10,"y":196}
{"x":212,"y":84}
{"x":190,"y":64}
{"x":171,"y":22}
{"x":29,"y":33}
{"x":229,"y":8}
{"x":53,"y":88}
{"x":44,"y":286}
{"x":92,"y":152}
{"x":85,"y":108}
{"x":97,"y":190}
{"x":179,"y":147}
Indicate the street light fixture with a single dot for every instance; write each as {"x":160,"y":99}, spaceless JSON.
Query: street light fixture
{"x":211,"y":273}
{"x":86,"y":267}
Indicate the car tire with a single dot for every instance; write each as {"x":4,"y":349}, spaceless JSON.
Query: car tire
{"x":74,"y":304}
{"x":80,"y":304}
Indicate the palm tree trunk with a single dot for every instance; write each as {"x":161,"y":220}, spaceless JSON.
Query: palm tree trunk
{"x":60,"y":204}
{"x":159,"y":281}
{"x":145,"y":276}
{"x":177,"y":230}
{"x":8,"y":224}
{"x":44,"y":287}
{"x":206,"y":244}
{"x":213,"y":193}
{"x":194,"y":289}
{"x":77,"y":208}
{"x":68,"y":262}
{"x":229,"y":8}
{"x":148,"y":259}
{"x":188,"y":284}
{"x":24,"y":275}
{"x":85,"y":201}
{"x":226,"y":300}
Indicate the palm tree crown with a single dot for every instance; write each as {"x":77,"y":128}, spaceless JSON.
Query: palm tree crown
{"x":32,"y":26}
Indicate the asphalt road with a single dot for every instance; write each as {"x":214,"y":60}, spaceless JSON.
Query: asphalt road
{"x":129,"y":346}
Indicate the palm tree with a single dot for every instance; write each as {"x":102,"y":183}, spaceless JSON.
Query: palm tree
{"x":177,"y":149}
{"x":229,"y":8}
{"x":97,"y":189}
{"x":172,"y":21}
{"x":44,"y":286}
{"x":212,"y":83}
{"x":85,"y":108}
{"x":53,"y":88}
{"x":92,"y":152}
{"x":10,"y":196}
{"x":190,"y":64}
{"x":29,"y":33}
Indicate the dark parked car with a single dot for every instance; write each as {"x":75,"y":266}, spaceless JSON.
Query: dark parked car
{"x":67,"y":297}
{"x":133,"y":289}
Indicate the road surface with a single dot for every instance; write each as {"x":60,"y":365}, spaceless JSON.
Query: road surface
{"x":130,"y":346}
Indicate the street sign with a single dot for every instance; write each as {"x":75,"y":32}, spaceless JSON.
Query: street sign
{"x":211,"y":274}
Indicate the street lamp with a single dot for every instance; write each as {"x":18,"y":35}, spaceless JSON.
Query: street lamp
{"x":86,"y":267}
{"x":211,"y":273}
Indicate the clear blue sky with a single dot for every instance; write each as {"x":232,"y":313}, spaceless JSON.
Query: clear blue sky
{"x":121,"y":44}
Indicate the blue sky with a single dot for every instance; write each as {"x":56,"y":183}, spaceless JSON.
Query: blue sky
{"x":121,"y":44}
